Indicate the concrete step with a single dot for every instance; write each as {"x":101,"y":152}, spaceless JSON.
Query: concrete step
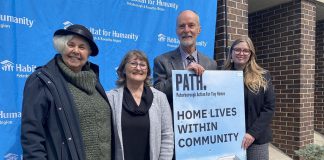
{"x":276,"y":154}
{"x":318,"y":138}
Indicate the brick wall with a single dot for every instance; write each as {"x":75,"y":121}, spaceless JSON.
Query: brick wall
{"x":220,"y":36}
{"x":284,"y":37}
{"x":319,"y":79}
{"x":237,"y":25}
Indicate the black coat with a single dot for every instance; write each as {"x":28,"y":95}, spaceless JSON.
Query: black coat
{"x":50,"y":126}
{"x":259,"y":110}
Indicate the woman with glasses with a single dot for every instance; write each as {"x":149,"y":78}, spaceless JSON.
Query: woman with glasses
{"x":259,"y":98}
{"x":141,"y":114}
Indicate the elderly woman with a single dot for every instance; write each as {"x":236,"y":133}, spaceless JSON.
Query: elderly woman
{"x":66,"y":113}
{"x":142,"y":116}
{"x":259,"y":98}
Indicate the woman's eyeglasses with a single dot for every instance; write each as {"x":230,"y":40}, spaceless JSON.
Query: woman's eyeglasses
{"x":135,"y":64}
{"x":239,"y":50}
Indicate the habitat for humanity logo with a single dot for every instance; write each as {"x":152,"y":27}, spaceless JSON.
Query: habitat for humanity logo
{"x":161,"y":37}
{"x":174,"y":42}
{"x":7,"y":118}
{"x":102,"y":34}
{"x":171,"y":41}
{"x":158,"y":5}
{"x":18,"y":20}
{"x":12,"y":156}
{"x":7,"y":65}
{"x":22,"y":71}
{"x":67,"y":24}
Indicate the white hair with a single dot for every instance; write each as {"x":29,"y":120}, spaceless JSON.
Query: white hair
{"x":60,"y":42}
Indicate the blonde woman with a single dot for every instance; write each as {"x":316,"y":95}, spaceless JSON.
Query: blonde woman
{"x":259,"y":98}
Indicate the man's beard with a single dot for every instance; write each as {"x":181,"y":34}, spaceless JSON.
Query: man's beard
{"x":187,"y":43}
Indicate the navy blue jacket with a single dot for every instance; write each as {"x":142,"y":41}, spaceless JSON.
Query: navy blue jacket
{"x":259,"y":110}
{"x":50,"y":126}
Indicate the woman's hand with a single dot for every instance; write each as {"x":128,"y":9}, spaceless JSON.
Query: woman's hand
{"x":247,"y":141}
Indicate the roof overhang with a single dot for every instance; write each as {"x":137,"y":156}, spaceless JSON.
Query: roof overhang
{"x":257,"y":5}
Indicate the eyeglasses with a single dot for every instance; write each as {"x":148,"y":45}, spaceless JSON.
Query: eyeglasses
{"x":134,"y":64}
{"x":239,"y":50}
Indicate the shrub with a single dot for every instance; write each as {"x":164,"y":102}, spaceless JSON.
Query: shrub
{"x":311,"y":152}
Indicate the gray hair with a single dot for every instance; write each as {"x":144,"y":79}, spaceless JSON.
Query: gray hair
{"x":60,"y":42}
{"x":198,"y":19}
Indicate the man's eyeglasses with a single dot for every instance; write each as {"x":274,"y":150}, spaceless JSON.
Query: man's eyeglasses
{"x":135,"y":64}
{"x":239,"y":50}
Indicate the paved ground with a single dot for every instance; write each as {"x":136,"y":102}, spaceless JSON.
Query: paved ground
{"x":319,"y":138}
{"x":276,"y":154}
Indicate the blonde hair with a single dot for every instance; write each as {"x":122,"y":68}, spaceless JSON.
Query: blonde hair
{"x":253,"y":74}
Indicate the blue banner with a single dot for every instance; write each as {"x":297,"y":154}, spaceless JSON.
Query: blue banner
{"x":208,"y":114}
{"x":27,"y":28}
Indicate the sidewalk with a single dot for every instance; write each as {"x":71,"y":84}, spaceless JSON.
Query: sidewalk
{"x":276,"y":154}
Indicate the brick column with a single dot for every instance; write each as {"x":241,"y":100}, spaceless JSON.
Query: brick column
{"x":237,"y":25}
{"x":319,"y":79}
{"x":284,"y":37}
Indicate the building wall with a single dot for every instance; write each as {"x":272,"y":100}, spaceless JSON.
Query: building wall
{"x":237,"y":25}
{"x":284,"y":37}
{"x":319,"y":78}
{"x":220,"y":34}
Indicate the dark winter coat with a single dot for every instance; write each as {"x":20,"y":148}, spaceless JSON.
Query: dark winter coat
{"x":50,"y":126}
